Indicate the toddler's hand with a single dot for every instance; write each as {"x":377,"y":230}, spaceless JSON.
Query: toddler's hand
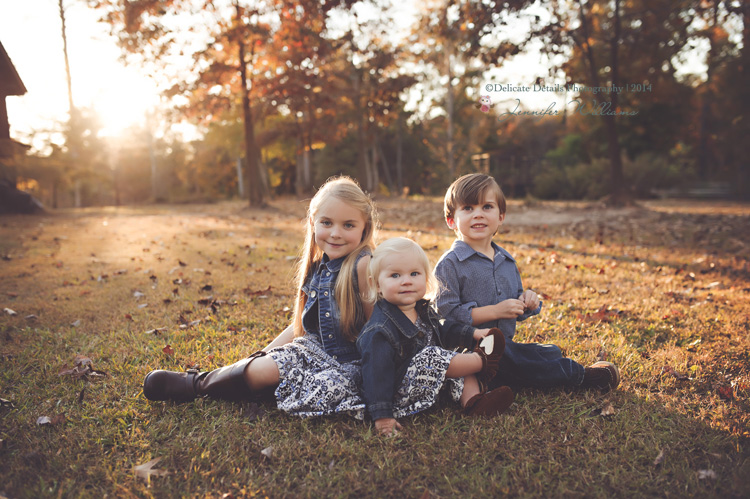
{"x":530,"y":300}
{"x":480,"y":333}
{"x":509,"y":309}
{"x":387,"y":426}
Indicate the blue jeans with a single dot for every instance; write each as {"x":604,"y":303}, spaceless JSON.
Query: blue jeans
{"x":536,"y":365}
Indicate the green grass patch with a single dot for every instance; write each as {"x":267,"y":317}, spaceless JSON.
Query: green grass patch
{"x":661,"y":290}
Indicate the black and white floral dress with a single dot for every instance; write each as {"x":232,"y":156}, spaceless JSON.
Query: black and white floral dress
{"x":320,"y":373}
{"x":425,"y":377}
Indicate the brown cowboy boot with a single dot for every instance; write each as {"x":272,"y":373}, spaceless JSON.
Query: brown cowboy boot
{"x":225,"y":383}
{"x":490,"y":403}
{"x":491,"y":359}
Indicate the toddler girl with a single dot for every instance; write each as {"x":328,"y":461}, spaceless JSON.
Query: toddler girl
{"x":313,"y":364}
{"x":404,"y":345}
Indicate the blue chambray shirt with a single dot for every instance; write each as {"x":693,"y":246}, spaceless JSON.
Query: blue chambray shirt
{"x":470,"y":279}
{"x":321,"y":317}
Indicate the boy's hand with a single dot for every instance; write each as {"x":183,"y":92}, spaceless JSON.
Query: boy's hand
{"x":480,"y":333}
{"x":530,"y":300}
{"x":509,"y":309}
{"x":387,"y":426}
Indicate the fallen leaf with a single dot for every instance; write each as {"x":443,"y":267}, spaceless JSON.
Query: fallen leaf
{"x":725,"y":392}
{"x":129,"y":317}
{"x":206,"y":300}
{"x":9,"y":311}
{"x":54,"y":420}
{"x":254,"y":412}
{"x":660,"y":458}
{"x":6,"y":403}
{"x":679,"y":376}
{"x":607,"y":410}
{"x":82,"y":368}
{"x":31,"y":317}
{"x":267,"y":452}
{"x":76,"y":323}
{"x":706,"y":475}
{"x":168,"y":350}
{"x":138,"y":294}
{"x":262,"y":292}
{"x":602,"y":315}
{"x":146,"y":470}
{"x":156,"y":330}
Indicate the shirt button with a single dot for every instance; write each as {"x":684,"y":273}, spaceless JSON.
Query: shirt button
{"x":325,"y":293}
{"x":327,"y":314}
{"x":335,"y":357}
{"x":327,"y":274}
{"x":330,"y":336}
{"x":312,"y":295}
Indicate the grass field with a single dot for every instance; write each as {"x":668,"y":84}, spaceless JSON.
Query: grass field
{"x":94,"y":299}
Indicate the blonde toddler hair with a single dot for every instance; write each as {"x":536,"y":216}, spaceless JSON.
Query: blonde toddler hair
{"x":398,"y":246}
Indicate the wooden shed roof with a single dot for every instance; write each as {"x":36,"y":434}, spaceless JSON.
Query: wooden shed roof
{"x":10,"y":82}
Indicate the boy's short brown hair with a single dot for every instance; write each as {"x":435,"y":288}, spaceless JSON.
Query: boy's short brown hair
{"x":470,"y":190}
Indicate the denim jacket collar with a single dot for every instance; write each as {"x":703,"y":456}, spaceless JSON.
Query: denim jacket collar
{"x":463,"y":251}
{"x":399,"y":319}
{"x":331,"y":265}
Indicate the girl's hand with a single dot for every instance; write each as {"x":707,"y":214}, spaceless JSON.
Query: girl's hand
{"x":530,"y":300}
{"x":480,"y":333}
{"x":387,"y":426}
{"x":509,"y":309}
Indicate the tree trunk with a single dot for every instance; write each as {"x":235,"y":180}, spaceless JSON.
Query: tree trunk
{"x":449,"y":109}
{"x":72,"y":140}
{"x":299,"y":181}
{"x":399,"y":156}
{"x":387,"y":171}
{"x":255,"y":191}
{"x":617,"y":195}
{"x":743,"y":182}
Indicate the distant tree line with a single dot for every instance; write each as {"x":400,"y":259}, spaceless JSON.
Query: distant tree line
{"x":288,"y":93}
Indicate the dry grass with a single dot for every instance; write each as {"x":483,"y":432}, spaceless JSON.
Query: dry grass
{"x":661,"y":290}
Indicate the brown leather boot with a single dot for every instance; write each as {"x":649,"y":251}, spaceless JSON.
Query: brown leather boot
{"x":491,"y":360}
{"x":490,"y":403}
{"x":225,"y":383}
{"x":604,"y":376}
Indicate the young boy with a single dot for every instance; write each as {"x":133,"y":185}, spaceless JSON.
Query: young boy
{"x":482,"y":287}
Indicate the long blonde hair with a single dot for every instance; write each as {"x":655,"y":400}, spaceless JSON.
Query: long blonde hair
{"x":347,"y":296}
{"x":399,"y":246}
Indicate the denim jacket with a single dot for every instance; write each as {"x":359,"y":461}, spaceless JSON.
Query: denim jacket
{"x":390,"y":340}
{"x":321,"y":317}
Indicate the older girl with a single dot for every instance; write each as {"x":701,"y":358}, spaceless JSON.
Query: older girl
{"x":313,"y":365}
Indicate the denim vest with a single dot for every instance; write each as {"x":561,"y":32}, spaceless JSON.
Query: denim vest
{"x":390,"y":340}
{"x":321,"y":317}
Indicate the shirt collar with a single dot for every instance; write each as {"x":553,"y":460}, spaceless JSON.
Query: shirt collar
{"x":331,"y":265}
{"x":463,"y":251}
